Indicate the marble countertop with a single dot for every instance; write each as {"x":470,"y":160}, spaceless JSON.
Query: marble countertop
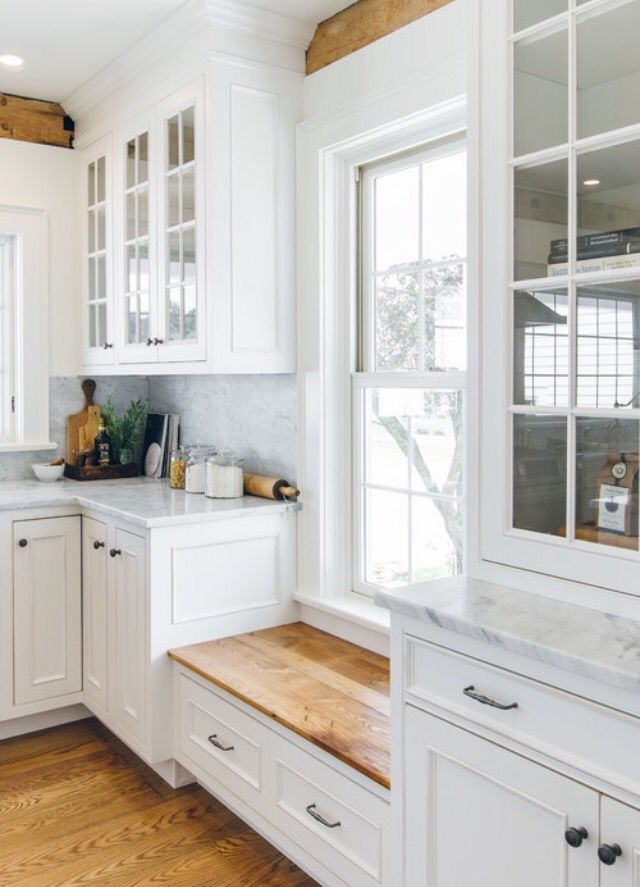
{"x":596,"y":645}
{"x":142,"y":501}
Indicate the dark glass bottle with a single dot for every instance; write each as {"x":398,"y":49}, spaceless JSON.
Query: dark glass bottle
{"x":103,"y":446}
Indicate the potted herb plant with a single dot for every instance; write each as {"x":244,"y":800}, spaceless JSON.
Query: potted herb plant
{"x":125,"y":432}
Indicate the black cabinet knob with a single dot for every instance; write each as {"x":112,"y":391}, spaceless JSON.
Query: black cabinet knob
{"x":575,"y":836}
{"x":608,"y":853}
{"x":98,"y":545}
{"x":23,"y":543}
{"x":158,"y":341}
{"x":114,"y":552}
{"x":107,"y":345}
{"x":149,"y":342}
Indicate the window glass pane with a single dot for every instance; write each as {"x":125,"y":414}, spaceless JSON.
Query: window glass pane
{"x":437,"y":530}
{"x":100,"y":232}
{"x":541,"y":348}
{"x":608,"y":345}
{"x":143,"y":158}
{"x":144,"y":316}
{"x":190,"y":325}
{"x":188,"y":196}
{"x":100,"y":179}
{"x":397,"y":221}
{"x":541,"y":95}
{"x":607,"y":474}
{"x":131,"y":269}
{"x":397,"y":334}
{"x":541,"y":214}
{"x":143,"y":266}
{"x":173,"y":197}
{"x":188,"y":135}
{"x":173,"y":256}
{"x":387,"y":538}
{"x":91,"y":231}
{"x":131,"y":163}
{"x":143,"y":213}
{"x":131,"y":216}
{"x":387,"y":437}
{"x":189,"y":254}
{"x":609,"y":208}
{"x":175,"y":312}
{"x":132,"y":320}
{"x":608,"y":69}
{"x":444,"y":207}
{"x":91,"y":278}
{"x":173,"y":143}
{"x":92,"y":326}
{"x":443,"y":346}
{"x":539,"y":473}
{"x":102,"y":277}
{"x":91,"y":184}
{"x":436,"y":435}
{"x":530,"y":12}
{"x":102,"y":324}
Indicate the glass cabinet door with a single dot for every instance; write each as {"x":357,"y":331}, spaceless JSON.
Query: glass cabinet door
{"x":98,"y":344}
{"x":574,"y":292}
{"x":181,"y":293}
{"x":136,"y":242}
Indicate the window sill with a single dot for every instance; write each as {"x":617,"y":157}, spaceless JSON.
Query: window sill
{"x":353,"y":608}
{"x":28,"y":447}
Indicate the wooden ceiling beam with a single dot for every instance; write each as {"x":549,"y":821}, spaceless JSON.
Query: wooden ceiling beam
{"x":361,"y":24}
{"x":32,"y":120}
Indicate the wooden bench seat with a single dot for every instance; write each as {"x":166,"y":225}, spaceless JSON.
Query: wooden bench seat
{"x":330,"y":692}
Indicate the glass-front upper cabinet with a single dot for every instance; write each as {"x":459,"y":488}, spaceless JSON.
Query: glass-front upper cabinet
{"x":181,"y":242}
{"x":95,"y":188}
{"x":567,"y":468}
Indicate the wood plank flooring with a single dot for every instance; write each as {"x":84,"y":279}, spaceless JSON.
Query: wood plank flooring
{"x":77,"y":808}
{"x":332,"y":693}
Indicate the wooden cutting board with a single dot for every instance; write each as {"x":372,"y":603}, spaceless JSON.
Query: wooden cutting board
{"x":82,"y":428}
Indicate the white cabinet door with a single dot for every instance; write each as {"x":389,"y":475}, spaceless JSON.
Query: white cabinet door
{"x":480,"y":816}
{"x":128,"y":634}
{"x":96,"y":196}
{"x":95,"y":612}
{"x":47,"y":609}
{"x":619,"y":829}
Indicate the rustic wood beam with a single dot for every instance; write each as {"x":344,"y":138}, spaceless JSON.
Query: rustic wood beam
{"x":361,"y":24}
{"x":32,"y":120}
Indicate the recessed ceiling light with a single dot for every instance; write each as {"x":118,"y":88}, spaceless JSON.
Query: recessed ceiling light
{"x":591,"y":183}
{"x":11,"y":62}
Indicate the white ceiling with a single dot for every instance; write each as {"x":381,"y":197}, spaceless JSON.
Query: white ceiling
{"x":65,"y":42}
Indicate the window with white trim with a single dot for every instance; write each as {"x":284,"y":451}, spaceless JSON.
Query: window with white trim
{"x":408,"y":402}
{"x":7,"y":312}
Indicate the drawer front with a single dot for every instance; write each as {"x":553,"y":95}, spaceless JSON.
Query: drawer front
{"x":579,"y":732}
{"x":334,"y":819}
{"x":222,"y":740}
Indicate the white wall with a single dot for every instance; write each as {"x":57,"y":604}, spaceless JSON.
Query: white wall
{"x":43,"y":177}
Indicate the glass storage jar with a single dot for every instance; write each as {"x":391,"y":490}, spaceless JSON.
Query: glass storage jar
{"x":177,"y":466}
{"x":195,"y":472}
{"x":225,"y":478}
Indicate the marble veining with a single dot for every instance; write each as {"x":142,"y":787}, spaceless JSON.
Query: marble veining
{"x":141,"y":501}
{"x":597,"y":645}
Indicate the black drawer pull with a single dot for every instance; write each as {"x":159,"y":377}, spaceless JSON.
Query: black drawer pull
{"x":575,"y":836}
{"x":114,"y":552}
{"x":313,"y":812}
{"x":97,"y":545}
{"x":608,"y":853}
{"x":484,"y":700}
{"x":217,"y":744}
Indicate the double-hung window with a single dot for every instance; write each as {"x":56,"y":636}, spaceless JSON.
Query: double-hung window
{"x":408,"y":388}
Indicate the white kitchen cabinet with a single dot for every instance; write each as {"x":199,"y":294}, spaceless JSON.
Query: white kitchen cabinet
{"x":95,"y":612}
{"x":479,"y":815}
{"x":96,"y":239}
{"x":47,"y":609}
{"x":128,"y":634}
{"x":619,"y":829}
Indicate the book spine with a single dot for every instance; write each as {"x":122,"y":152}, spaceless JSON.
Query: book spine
{"x":599,"y":252}
{"x":587,"y":241}
{"x":587,"y":266}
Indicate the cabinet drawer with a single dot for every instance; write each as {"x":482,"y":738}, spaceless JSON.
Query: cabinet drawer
{"x":222,"y":740}
{"x":584,"y":734}
{"x":335,"y":820}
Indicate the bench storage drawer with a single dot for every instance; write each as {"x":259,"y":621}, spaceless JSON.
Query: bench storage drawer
{"x":552,"y":721}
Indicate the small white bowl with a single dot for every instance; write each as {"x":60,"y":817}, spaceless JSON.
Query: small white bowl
{"x":48,"y":473}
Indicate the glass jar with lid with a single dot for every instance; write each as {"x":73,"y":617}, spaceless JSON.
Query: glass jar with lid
{"x":195,"y":472}
{"x":177,"y":466}
{"x":224,"y":476}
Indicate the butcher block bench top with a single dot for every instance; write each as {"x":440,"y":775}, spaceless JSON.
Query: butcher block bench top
{"x":332,"y":693}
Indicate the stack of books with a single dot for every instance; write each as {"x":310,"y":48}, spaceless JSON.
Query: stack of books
{"x":605,"y":251}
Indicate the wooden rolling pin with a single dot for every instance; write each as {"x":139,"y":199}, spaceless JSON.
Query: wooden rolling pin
{"x":269,"y":487}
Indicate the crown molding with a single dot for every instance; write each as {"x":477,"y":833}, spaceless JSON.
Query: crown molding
{"x":188,"y":22}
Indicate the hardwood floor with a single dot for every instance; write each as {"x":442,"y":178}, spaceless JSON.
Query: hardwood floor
{"x":77,"y":807}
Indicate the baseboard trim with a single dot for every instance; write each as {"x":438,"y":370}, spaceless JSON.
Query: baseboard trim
{"x":43,"y":720}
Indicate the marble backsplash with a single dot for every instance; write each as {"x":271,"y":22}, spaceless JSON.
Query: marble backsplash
{"x":254,"y":416}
